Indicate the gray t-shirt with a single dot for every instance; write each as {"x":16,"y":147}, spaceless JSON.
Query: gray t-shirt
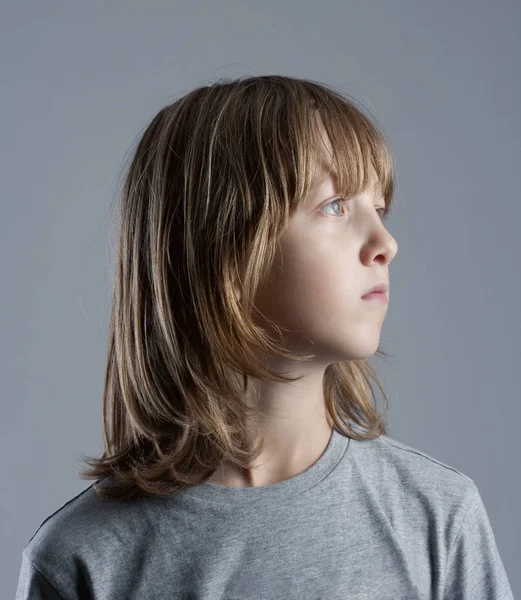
{"x":370,"y":520}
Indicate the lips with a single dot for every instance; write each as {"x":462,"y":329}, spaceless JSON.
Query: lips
{"x":381,"y":287}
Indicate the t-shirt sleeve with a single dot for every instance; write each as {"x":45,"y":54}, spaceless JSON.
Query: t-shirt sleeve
{"x":474,"y":568}
{"x":32,"y":585}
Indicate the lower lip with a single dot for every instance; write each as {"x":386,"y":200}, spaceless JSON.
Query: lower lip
{"x":376,"y":297}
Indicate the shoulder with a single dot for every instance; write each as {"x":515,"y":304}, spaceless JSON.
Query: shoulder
{"x":77,"y":526}
{"x":386,"y":455}
{"x":411,"y":482}
{"x":436,"y":514}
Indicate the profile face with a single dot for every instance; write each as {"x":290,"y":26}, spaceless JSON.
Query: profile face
{"x":332,"y":253}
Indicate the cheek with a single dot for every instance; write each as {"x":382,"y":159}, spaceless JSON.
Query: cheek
{"x":317,"y":304}
{"x":310,"y":288}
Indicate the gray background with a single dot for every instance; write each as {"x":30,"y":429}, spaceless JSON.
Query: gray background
{"x":79,"y":83}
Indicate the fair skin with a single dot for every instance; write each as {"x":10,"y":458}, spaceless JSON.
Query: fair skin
{"x":330,"y":255}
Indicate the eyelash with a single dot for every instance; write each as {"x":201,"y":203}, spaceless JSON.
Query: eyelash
{"x":383,"y":215}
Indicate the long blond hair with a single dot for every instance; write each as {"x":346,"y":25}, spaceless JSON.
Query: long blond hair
{"x":209,"y":191}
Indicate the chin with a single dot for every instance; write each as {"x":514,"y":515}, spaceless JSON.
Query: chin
{"x":361,"y":351}
{"x":350,"y":353}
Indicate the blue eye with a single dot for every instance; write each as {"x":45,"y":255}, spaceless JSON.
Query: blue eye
{"x":382,"y":212}
{"x":336,"y":201}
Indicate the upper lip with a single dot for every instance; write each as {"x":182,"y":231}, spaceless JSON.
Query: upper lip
{"x":381,"y":286}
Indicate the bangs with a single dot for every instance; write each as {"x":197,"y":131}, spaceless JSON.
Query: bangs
{"x":356,"y":155}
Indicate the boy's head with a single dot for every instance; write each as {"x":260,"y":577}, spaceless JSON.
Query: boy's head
{"x":250,"y":229}
{"x":232,"y":174}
